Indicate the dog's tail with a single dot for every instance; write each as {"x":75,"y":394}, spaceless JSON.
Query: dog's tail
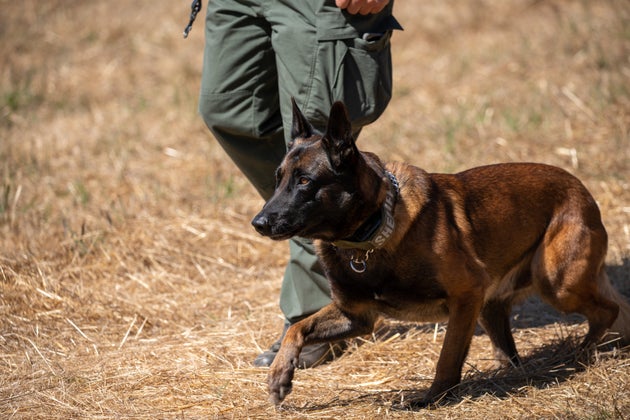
{"x":621,"y":325}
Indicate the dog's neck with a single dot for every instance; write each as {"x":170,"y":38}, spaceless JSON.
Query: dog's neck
{"x":374,"y":232}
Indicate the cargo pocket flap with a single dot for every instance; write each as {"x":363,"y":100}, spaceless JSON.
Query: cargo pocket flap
{"x":332,"y":25}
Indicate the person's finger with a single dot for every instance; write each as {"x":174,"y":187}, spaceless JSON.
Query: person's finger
{"x":363,"y":7}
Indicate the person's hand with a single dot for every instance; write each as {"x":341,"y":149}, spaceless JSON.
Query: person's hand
{"x":364,"y":7}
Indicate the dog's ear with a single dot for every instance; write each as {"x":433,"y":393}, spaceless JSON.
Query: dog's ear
{"x":338,"y":140}
{"x":300,"y":127}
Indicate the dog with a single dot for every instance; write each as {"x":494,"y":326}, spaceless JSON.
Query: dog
{"x":396,"y":241}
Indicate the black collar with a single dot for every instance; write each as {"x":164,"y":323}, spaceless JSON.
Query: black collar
{"x":375,"y":231}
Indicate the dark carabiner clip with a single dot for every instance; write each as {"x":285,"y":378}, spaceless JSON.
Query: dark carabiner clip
{"x":195,"y":7}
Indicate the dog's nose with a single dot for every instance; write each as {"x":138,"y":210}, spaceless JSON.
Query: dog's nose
{"x":261,"y":224}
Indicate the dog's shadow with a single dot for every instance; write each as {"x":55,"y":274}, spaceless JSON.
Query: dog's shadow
{"x":553,"y":363}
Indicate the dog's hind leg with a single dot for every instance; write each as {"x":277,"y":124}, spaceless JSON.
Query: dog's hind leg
{"x":566,"y":272}
{"x":495,"y":320}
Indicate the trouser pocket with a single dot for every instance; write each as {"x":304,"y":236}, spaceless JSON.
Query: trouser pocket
{"x":353,"y":65}
{"x":364,"y":78}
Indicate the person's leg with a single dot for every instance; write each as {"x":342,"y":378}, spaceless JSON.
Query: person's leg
{"x":245,"y":107}
{"x":305,"y":288}
{"x":321,"y":57}
{"x":239,"y":90}
{"x":239,"y":103}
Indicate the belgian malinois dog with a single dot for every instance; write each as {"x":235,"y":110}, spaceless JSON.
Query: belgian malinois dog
{"x":399,"y":242}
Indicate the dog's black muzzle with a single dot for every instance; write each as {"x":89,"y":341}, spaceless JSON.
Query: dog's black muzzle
{"x":262,"y":224}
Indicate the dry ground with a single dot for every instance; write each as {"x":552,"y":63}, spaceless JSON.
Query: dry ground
{"x":131,"y":284}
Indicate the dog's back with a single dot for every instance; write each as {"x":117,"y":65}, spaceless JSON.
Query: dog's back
{"x":512,"y":207}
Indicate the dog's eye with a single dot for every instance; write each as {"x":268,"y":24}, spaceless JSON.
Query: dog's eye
{"x":303,"y":180}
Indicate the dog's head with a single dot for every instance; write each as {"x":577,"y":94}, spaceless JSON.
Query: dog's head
{"x":318,"y":191}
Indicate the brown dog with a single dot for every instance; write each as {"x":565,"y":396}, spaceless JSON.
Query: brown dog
{"x":399,"y":242}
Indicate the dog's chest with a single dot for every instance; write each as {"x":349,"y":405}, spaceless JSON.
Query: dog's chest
{"x":411,"y":295}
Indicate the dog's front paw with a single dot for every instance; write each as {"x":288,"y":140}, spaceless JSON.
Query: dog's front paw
{"x":431,"y":398}
{"x":280,"y":377}
{"x":416,"y":403}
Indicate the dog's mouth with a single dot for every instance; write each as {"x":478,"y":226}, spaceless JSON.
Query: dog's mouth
{"x":274,"y":230}
{"x":280,"y":236}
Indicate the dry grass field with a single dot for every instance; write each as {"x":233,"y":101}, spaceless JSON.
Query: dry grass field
{"x":133,"y":286}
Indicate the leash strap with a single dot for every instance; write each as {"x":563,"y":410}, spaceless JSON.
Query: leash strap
{"x":195,"y":7}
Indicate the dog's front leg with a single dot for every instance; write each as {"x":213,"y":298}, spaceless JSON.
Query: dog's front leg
{"x":328,"y":324}
{"x":463,"y":313}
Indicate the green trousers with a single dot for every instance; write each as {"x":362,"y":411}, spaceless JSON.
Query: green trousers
{"x":260,"y":53}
